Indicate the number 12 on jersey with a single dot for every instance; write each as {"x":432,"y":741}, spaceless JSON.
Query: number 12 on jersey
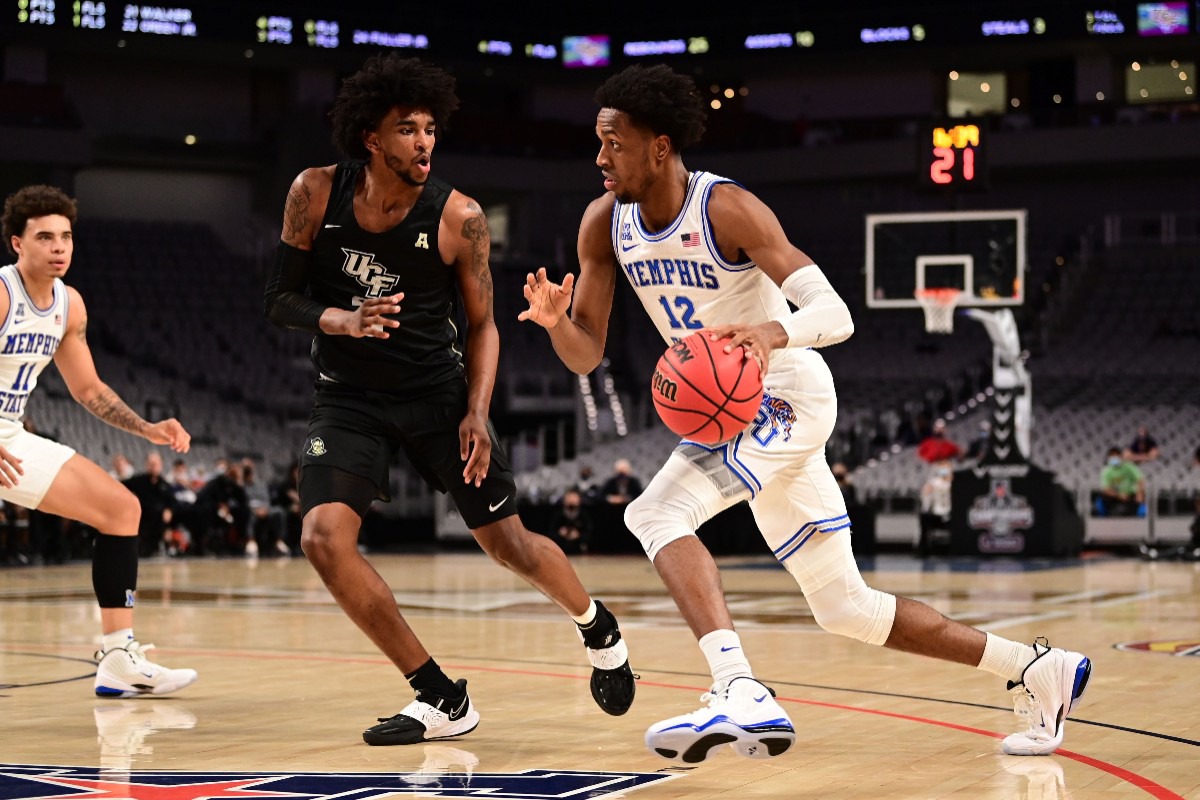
{"x":686,"y":310}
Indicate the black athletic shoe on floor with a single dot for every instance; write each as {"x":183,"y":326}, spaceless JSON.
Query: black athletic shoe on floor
{"x":612,"y":682}
{"x":426,"y":718}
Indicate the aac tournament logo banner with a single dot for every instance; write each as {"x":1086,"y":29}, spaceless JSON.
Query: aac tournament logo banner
{"x":23,"y":782}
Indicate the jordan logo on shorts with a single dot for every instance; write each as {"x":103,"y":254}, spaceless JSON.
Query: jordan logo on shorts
{"x":316,"y":446}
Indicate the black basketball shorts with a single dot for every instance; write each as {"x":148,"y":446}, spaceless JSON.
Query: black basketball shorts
{"x":359,"y":431}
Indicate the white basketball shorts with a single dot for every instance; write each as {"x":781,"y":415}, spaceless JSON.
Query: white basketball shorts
{"x":778,"y":463}
{"x":41,"y":460}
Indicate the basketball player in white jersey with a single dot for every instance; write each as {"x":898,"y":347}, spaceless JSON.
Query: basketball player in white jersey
{"x":41,"y":318}
{"x":702,"y":252}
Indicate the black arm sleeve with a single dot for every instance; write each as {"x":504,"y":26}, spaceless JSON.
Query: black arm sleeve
{"x":284,"y":301}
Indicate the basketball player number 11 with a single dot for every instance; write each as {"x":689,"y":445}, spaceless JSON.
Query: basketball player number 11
{"x":686,"y":309}
{"x":24,"y":373}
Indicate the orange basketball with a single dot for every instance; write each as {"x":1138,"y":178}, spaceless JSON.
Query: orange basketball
{"x":703,"y":393}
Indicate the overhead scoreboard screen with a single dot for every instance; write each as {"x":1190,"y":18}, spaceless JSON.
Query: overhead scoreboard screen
{"x":788,"y":34}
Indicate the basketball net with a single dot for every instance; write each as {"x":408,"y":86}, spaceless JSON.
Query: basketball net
{"x":939,"y":305}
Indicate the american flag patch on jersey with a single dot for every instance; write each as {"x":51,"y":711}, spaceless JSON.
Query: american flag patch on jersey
{"x":690,"y":239}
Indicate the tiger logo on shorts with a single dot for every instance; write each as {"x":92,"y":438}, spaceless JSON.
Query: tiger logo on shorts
{"x":316,"y":446}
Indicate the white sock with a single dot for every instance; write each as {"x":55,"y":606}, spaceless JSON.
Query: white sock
{"x":117,"y":639}
{"x":726,"y":659}
{"x":587,"y":616}
{"x":1006,"y":658}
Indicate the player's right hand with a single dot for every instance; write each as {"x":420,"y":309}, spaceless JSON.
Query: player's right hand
{"x":548,"y":301}
{"x":10,"y":468}
{"x":371,"y":319}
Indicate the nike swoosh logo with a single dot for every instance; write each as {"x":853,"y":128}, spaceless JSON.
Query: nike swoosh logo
{"x":497,"y":505}
{"x":333,"y":226}
{"x":456,"y":714}
{"x":625,"y":249}
{"x":727,"y":649}
{"x":760,"y":699}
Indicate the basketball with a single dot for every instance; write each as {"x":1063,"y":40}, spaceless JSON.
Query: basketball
{"x":703,"y":393}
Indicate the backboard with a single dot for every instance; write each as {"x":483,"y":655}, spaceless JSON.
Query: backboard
{"x":982,"y":253}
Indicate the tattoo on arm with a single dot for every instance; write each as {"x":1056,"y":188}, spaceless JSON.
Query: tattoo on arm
{"x":295,"y":213}
{"x":475,"y":232}
{"x":112,"y":409}
{"x":82,"y":331}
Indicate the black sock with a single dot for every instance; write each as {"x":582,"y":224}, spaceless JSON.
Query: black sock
{"x":602,"y":631}
{"x":430,"y":678}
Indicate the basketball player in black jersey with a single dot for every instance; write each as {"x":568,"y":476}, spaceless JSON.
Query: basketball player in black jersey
{"x":374,"y":253}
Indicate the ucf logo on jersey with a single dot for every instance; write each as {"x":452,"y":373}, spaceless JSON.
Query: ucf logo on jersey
{"x":371,"y":276}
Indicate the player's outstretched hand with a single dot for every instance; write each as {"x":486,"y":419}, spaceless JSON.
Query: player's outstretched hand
{"x":171,"y":433}
{"x":548,"y":301}
{"x":757,"y":340}
{"x":474,"y":447}
{"x":371,"y":318}
{"x":10,"y":468}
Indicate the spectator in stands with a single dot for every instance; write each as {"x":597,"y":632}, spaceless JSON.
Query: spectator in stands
{"x":158,"y":504}
{"x":978,"y":447}
{"x":935,"y":503}
{"x":1122,"y":487}
{"x":1143,"y":448}
{"x":179,"y":533}
{"x":222,"y":513}
{"x":267,"y":520}
{"x":588,"y":486}
{"x":622,"y":486}
{"x":936,"y":447}
{"x":842,"y":475}
{"x":286,"y":496}
{"x":571,"y":527}
{"x":122,"y":467}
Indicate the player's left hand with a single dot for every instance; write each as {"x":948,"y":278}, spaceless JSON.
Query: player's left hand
{"x":474,"y":447}
{"x":170,"y":433}
{"x":757,"y":340}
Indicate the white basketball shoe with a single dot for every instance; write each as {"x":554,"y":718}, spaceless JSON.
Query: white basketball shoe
{"x":742,"y":714}
{"x":1051,"y":686}
{"x":126,"y":672}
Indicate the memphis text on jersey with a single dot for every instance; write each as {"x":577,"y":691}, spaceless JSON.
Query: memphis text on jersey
{"x":13,"y":399}
{"x":672,"y":272}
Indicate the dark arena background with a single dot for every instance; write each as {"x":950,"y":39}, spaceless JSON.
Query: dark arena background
{"x":1037,"y":161}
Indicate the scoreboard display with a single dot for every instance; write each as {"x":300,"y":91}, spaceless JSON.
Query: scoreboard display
{"x":952,"y":155}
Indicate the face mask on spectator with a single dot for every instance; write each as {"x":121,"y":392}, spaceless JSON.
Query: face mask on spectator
{"x":1114,"y":461}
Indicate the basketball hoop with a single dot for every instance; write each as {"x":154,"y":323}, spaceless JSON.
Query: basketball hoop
{"x":939,"y":307}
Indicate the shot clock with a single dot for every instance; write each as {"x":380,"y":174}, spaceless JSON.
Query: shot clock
{"x":951,"y":155}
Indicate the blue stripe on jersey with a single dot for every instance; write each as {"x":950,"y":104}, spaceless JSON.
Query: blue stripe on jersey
{"x":711,"y":240}
{"x":616,"y":224}
{"x":787,"y":549}
{"x":693,"y":182}
{"x":733,"y":446}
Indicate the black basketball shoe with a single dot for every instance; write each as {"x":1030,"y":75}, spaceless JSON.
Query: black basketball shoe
{"x":426,"y":718}
{"x":612,"y":682}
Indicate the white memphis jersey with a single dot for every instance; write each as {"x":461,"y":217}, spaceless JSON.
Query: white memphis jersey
{"x":684,"y":282}
{"x":29,"y":337}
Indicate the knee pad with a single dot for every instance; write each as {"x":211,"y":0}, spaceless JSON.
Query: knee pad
{"x":657,"y":523}
{"x":848,"y":607}
{"x":678,"y":500}
{"x":840,"y":599}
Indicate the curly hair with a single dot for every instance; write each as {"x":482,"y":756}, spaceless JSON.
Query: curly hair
{"x":30,"y":203}
{"x":657,"y":98}
{"x":384,"y":82}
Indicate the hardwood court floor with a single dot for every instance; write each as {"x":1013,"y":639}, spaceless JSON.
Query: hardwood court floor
{"x":287,"y":684}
